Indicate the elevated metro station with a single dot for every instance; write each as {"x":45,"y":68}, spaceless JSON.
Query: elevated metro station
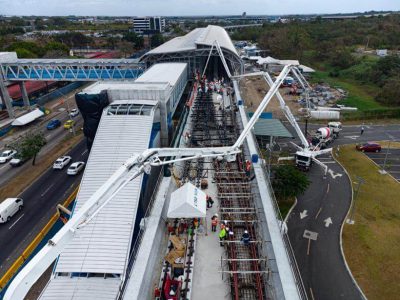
{"x":122,"y":252}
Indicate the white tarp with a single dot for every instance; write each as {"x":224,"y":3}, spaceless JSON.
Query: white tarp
{"x":27,"y":118}
{"x":187,"y":202}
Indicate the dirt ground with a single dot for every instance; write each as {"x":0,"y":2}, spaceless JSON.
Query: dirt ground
{"x":253,"y":91}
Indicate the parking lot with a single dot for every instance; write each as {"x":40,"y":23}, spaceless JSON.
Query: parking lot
{"x":392,"y":161}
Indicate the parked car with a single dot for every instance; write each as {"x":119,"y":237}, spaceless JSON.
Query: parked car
{"x":69,"y":124}
{"x":17,"y":161}
{"x":75,"y":168}
{"x":10,"y":207}
{"x":74,"y":112}
{"x":53,"y":124}
{"x":61,"y":162}
{"x":369,"y":147}
{"x":7,"y":155}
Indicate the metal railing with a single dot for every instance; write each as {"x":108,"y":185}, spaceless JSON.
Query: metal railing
{"x":285,"y":237}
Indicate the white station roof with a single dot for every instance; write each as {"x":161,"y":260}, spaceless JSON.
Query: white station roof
{"x":103,"y":245}
{"x":187,"y":202}
{"x":199,"y":36}
{"x":163,"y":72}
{"x":27,"y":118}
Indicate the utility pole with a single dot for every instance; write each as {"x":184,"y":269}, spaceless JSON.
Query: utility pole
{"x":383,"y":171}
{"x":359,"y":182}
{"x":68,"y":112}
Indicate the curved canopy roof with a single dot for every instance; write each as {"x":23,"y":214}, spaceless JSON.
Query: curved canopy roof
{"x":197,"y":37}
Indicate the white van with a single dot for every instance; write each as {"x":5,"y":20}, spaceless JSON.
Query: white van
{"x":10,"y":207}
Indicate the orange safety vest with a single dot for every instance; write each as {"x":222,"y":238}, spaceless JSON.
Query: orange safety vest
{"x":248,"y":165}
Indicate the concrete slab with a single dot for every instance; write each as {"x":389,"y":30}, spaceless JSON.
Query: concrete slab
{"x":207,"y":279}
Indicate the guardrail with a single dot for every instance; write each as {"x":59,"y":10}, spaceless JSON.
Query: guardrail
{"x":11,"y":272}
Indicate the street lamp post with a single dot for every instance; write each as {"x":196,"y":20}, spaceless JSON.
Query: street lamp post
{"x":383,"y":171}
{"x":68,"y":112}
{"x":359,"y":182}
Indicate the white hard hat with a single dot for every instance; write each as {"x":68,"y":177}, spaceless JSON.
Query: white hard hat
{"x":216,"y":215}
{"x":245,"y":231}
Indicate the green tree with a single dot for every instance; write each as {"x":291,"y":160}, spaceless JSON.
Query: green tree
{"x":289,"y":182}
{"x":24,"y":53}
{"x":137,"y":40}
{"x":390,"y":93}
{"x":29,"y":146}
{"x":126,"y":48}
{"x":156,"y":40}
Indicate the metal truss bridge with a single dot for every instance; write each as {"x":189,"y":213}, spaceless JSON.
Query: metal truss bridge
{"x":71,"y":69}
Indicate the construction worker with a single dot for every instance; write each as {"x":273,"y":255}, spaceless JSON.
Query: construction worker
{"x":246,"y":238}
{"x":214,"y":223}
{"x":223,"y":224}
{"x":248,"y":167}
{"x":362,"y":130}
{"x":222,"y":236}
{"x":210,"y":201}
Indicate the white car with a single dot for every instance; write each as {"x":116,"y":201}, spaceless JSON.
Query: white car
{"x":61,"y":162}
{"x":74,"y":112}
{"x":75,"y":168}
{"x":10,"y":207}
{"x":7,"y":155}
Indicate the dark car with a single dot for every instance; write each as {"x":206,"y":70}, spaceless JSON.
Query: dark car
{"x":18,"y":161}
{"x":369,"y":147}
{"x":53,"y":124}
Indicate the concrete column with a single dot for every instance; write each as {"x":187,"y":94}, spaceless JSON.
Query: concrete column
{"x":24,"y":93}
{"x":6,"y":99}
{"x":163,"y":123}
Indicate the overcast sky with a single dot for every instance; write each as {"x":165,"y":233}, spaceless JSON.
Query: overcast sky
{"x":189,"y":7}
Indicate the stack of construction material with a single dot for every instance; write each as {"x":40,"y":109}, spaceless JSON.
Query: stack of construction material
{"x":176,"y":256}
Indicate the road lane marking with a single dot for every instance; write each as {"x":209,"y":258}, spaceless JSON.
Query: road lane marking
{"x":303,"y":214}
{"x":3,"y":167}
{"x":84,"y":152}
{"x":15,"y":222}
{"x":328,"y":222}
{"x":47,"y":136}
{"x":44,"y":193}
{"x":334,"y":175}
{"x":327,"y":189}
{"x":319,"y":211}
{"x":312,"y":294}
{"x":308,"y":247}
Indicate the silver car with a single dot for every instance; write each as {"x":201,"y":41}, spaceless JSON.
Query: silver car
{"x":61,"y":162}
{"x":7,"y":155}
{"x":75,"y":168}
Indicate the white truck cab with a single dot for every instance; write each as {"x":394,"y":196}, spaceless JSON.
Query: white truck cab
{"x":10,"y":207}
{"x":336,"y":127}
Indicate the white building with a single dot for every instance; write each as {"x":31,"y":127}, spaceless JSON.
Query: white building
{"x":148,"y":25}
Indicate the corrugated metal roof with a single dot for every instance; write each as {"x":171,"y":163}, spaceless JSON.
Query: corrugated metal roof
{"x":164,"y":72}
{"x":62,"y":288}
{"x":271,"y":127}
{"x":103,"y":245}
{"x":199,"y":36}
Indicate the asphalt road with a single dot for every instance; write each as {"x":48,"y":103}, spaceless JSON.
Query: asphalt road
{"x":40,"y":201}
{"x":314,"y":231}
{"x":323,"y":209}
{"x":53,"y":137}
{"x":388,"y":159}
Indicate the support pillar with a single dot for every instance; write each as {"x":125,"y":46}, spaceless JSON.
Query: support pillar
{"x":24,"y":93}
{"x":164,"y":123}
{"x":6,"y":99}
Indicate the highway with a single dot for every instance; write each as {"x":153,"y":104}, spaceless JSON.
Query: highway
{"x":40,"y":201}
{"x":53,"y":138}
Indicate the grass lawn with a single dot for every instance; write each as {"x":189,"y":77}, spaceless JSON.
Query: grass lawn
{"x":372,"y":244}
{"x":360,"y":96}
